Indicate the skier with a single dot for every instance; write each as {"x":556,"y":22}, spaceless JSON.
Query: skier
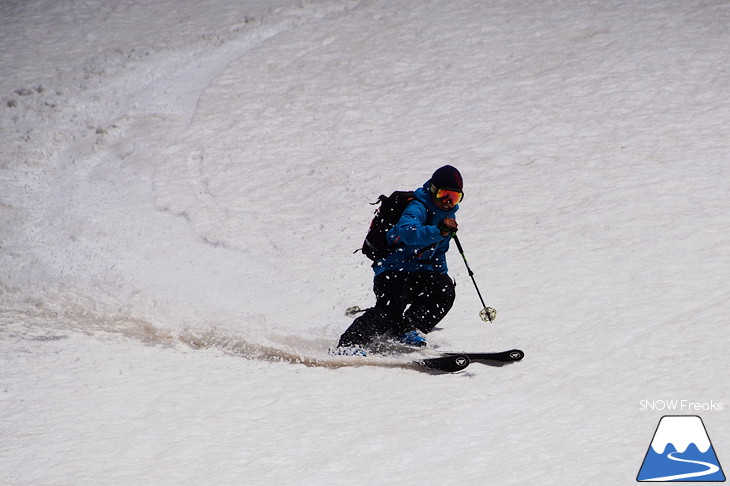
{"x":412,"y":287}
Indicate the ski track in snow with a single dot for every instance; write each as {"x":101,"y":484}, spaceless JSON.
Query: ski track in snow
{"x":107,"y":107}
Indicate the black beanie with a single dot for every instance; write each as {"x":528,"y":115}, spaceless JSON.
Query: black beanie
{"x":447,"y":177}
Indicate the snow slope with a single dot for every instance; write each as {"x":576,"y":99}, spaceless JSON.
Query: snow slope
{"x":183,"y":185}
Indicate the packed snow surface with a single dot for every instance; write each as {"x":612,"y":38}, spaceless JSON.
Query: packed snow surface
{"x":183,"y":184}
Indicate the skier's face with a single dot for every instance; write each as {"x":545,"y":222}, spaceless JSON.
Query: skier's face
{"x":443,"y":204}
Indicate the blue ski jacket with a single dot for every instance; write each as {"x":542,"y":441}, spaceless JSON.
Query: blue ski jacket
{"x":422,"y":249}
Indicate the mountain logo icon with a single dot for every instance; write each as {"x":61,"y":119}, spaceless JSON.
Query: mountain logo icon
{"x":681,"y":451}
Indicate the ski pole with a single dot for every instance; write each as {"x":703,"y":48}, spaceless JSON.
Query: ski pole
{"x":487,"y":313}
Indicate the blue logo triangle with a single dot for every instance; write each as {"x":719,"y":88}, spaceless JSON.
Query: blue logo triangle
{"x":681,"y":451}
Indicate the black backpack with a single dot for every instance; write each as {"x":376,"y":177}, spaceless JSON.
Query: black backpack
{"x":387,"y":215}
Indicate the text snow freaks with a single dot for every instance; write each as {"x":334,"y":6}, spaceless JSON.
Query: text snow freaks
{"x":680,"y":406}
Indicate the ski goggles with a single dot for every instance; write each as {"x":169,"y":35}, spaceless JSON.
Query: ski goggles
{"x":452,"y":196}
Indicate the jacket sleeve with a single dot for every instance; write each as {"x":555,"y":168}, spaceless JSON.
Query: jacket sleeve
{"x":411,"y":228}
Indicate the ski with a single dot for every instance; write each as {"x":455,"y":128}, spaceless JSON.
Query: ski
{"x":501,"y":357}
{"x":431,"y":359}
{"x":450,"y":363}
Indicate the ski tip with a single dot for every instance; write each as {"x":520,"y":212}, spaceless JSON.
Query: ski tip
{"x":516,"y":354}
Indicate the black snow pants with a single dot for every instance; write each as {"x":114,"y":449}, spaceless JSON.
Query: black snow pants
{"x":404,"y":302}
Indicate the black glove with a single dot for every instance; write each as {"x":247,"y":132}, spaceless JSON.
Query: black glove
{"x":448,"y":226}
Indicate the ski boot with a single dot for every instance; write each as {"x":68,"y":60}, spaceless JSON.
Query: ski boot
{"x":412,"y":338}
